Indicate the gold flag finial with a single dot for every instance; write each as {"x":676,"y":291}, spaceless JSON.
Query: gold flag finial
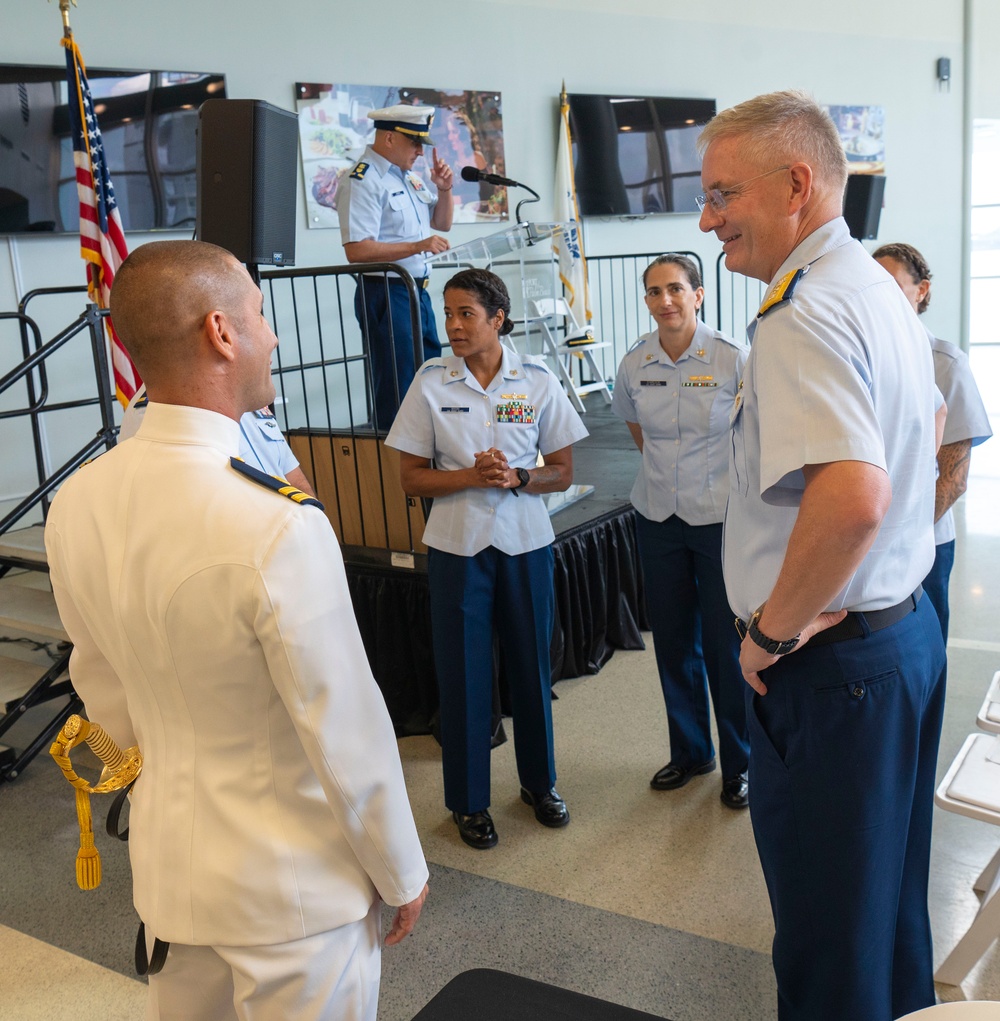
{"x":64,"y":11}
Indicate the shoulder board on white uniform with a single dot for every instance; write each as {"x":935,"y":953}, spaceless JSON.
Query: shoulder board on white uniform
{"x":359,"y":171}
{"x":534,"y":362}
{"x":279,"y":485}
{"x":782,"y":291}
{"x":432,"y":363}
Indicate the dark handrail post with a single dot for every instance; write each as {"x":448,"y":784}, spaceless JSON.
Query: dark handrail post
{"x":95,"y":321}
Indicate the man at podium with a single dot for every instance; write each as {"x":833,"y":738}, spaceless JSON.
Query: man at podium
{"x":387,"y":214}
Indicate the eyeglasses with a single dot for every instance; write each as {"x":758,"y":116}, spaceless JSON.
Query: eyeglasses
{"x":716,"y":197}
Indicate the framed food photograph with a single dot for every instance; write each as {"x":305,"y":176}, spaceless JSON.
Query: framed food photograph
{"x":862,"y":133}
{"x":334,"y":129}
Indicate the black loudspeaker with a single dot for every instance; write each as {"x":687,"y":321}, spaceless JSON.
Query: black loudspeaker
{"x":247,"y":162}
{"x":863,"y":204}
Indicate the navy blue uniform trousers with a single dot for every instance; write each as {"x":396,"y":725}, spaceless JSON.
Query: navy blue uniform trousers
{"x":696,"y":644}
{"x":383,"y":312}
{"x":936,"y":583}
{"x":471,"y":597}
{"x":843,"y":753}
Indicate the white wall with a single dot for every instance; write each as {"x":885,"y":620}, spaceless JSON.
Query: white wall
{"x":851,"y":52}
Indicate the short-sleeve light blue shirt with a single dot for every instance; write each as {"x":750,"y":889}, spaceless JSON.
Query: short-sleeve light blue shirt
{"x":683,"y":409}
{"x":840,"y":372}
{"x":967,"y":418}
{"x":448,"y":417}
{"x":261,"y":441}
{"x":377,"y":201}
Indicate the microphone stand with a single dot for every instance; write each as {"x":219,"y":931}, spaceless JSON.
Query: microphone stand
{"x":524,"y":202}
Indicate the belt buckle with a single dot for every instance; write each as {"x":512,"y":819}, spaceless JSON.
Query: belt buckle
{"x":425,"y":283}
{"x":741,"y":627}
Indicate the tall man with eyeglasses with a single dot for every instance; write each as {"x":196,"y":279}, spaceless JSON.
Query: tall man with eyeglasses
{"x":828,"y":534}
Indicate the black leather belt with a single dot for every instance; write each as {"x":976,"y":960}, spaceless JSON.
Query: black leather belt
{"x":860,"y":622}
{"x":421,"y":282}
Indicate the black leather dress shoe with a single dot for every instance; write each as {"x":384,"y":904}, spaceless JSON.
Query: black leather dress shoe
{"x":476,"y":830}
{"x":736,"y":792}
{"x":550,"y":809}
{"x":673,"y":776}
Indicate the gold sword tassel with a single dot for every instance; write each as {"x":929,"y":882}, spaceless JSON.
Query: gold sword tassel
{"x":120,"y":769}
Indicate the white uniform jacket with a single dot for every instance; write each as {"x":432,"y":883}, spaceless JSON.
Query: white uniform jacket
{"x":212,"y":626}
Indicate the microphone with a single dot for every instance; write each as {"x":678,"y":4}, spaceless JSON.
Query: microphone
{"x":475,"y":174}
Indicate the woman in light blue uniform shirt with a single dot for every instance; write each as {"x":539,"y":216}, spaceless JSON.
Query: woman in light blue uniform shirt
{"x":469,"y":430}
{"x":675,"y":389}
{"x":966,"y":426}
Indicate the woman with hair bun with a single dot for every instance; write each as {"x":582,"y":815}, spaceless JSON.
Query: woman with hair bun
{"x":675,"y":390}
{"x":469,"y":432}
{"x":967,"y":424}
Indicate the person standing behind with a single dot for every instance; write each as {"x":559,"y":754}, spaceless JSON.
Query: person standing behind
{"x":212,"y":627}
{"x":674,"y":390}
{"x":386,"y":214}
{"x":966,"y":426}
{"x":828,"y":534}
{"x":482,"y":417}
{"x":261,"y":441}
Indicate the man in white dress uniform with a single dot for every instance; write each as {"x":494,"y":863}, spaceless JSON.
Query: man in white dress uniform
{"x":208,"y":608}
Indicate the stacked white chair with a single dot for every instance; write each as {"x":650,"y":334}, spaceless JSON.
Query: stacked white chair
{"x":578,"y":342}
{"x":971,"y":787}
{"x":963,"y":1010}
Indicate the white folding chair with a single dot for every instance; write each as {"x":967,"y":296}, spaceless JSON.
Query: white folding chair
{"x":961,"y":1010}
{"x":971,"y":787}
{"x":989,"y":714}
{"x":577,"y":342}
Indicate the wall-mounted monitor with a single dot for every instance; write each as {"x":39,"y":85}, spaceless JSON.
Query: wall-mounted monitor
{"x":148,"y":121}
{"x":636,"y":155}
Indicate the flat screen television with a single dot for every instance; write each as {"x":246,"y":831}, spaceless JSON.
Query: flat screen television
{"x":148,"y":121}
{"x":636,"y":155}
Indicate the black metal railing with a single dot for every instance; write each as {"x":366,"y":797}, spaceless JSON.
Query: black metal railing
{"x":32,"y":373}
{"x":326,"y":406}
{"x":26,"y":393}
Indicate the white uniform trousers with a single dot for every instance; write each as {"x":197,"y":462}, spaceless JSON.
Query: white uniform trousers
{"x":332,"y":976}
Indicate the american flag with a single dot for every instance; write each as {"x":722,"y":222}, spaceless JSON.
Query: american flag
{"x":102,"y":240}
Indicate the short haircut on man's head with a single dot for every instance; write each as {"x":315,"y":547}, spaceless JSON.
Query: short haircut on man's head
{"x":782,"y":127}
{"x":164,"y":290}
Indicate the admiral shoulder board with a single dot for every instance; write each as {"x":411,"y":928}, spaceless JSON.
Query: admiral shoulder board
{"x":279,"y":485}
{"x":782,"y":291}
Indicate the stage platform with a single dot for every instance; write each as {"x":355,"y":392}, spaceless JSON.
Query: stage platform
{"x":598,"y":584}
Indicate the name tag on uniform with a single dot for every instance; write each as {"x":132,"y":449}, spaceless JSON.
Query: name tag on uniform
{"x":652,"y":382}
{"x":698,"y":382}
{"x":448,"y":411}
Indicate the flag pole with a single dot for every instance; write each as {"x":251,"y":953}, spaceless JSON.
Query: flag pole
{"x":64,"y":11}
{"x":102,"y":238}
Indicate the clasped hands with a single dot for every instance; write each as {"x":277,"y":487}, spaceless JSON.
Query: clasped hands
{"x":492,"y":470}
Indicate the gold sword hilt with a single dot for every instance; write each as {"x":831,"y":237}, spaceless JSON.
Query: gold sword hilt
{"x":120,"y":770}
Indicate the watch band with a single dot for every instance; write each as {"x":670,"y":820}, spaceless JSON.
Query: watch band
{"x":522,"y":474}
{"x":772,"y":646}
